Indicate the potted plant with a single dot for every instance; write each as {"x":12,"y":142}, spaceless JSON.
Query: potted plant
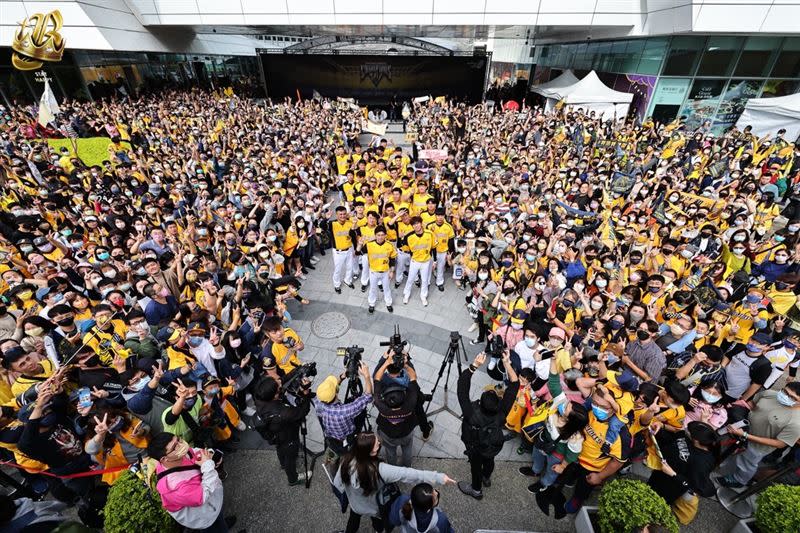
{"x":132,"y":506}
{"x":625,"y":505}
{"x":777,"y":511}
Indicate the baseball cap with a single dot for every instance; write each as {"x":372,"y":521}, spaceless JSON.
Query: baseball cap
{"x":326,"y":391}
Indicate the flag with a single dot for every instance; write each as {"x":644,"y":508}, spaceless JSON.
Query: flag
{"x":48,"y":106}
{"x":658,"y":209}
{"x":608,"y":236}
{"x":315,"y":94}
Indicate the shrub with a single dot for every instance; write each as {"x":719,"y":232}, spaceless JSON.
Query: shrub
{"x":627,"y":504}
{"x":778,"y":509}
{"x":132,"y":507}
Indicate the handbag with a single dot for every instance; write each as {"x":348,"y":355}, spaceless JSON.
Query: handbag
{"x":385,"y":497}
{"x":685,"y":507}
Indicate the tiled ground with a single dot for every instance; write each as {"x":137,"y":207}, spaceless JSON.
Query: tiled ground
{"x":427,"y":330}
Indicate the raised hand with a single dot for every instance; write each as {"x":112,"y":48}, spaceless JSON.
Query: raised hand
{"x":101,"y":426}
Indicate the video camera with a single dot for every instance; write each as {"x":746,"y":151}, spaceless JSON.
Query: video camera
{"x":396,"y":345}
{"x":496,"y":347}
{"x":352,"y":359}
{"x":295,"y":381}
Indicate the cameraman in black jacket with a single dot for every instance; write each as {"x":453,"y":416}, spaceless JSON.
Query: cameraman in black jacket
{"x":482,"y":424}
{"x":281,"y":423}
{"x":396,"y":406}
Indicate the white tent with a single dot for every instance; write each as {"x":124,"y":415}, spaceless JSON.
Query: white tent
{"x":550,"y":89}
{"x":591,"y":94}
{"x":768,"y":115}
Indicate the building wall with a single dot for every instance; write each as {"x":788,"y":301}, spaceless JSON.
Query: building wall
{"x":705,"y":77}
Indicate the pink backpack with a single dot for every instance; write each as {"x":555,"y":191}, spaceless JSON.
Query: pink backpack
{"x":180,"y":487}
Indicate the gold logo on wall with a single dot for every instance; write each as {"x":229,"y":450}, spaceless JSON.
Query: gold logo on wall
{"x":38,"y":39}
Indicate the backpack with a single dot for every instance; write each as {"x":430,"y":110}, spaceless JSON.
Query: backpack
{"x":483,"y":434}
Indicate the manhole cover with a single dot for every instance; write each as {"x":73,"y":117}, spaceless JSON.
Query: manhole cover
{"x":330,"y":325}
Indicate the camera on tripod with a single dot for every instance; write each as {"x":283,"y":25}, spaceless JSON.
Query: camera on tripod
{"x":396,"y":345}
{"x":296,"y":380}
{"x":352,"y":359}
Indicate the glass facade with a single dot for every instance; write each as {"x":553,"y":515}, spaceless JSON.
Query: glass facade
{"x":89,"y":74}
{"x":706,"y":78}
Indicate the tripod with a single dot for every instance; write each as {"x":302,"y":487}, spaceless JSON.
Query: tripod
{"x":454,"y":352}
{"x":354,"y":390}
{"x":307,"y":452}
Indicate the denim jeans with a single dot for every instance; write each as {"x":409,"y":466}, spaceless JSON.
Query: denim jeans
{"x":543,"y":465}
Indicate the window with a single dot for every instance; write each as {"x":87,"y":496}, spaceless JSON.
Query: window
{"x":684,"y":51}
{"x":788,"y":63}
{"x":719,"y":56}
{"x":653,"y":53}
{"x":757,"y":56}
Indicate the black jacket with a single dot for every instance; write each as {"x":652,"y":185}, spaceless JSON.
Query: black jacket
{"x":281,"y":421}
{"x":400,"y":421}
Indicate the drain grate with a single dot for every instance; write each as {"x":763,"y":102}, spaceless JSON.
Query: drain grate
{"x":330,"y":325}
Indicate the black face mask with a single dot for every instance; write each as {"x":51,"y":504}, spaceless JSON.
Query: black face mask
{"x":508,"y":290}
{"x":642,"y":335}
{"x":66,"y":321}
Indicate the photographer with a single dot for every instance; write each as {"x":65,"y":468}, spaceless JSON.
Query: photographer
{"x":188,"y":483}
{"x":482,"y":426}
{"x":396,"y":406}
{"x":339,"y":419}
{"x":281,"y":423}
{"x":395,"y":374}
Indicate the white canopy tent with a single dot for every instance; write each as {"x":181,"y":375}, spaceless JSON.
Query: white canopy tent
{"x":591,"y":94}
{"x":550,"y":89}
{"x":768,"y":115}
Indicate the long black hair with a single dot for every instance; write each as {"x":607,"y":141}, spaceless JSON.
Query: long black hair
{"x":706,"y":436}
{"x":360,"y":459}
{"x":576,"y":421}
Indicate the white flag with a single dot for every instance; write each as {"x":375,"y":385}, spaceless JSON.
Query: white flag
{"x":48,"y":105}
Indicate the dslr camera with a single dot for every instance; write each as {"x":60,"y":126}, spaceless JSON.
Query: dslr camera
{"x":352,"y":359}
{"x":396,"y":346}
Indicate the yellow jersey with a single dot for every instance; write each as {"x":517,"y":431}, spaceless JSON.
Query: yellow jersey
{"x":443,"y":234}
{"x":592,"y":457}
{"x":342,"y":240}
{"x":280,"y":355}
{"x":421,"y":246}
{"x":379,"y":255}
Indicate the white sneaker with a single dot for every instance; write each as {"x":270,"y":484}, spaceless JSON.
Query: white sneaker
{"x":473,"y":327}
{"x":241,"y":426}
{"x":314,"y":260}
{"x":405,"y":300}
{"x":250,"y":411}
{"x":492,"y":363}
{"x":425,"y":302}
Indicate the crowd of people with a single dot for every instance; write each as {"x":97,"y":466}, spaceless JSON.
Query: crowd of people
{"x":633,"y":286}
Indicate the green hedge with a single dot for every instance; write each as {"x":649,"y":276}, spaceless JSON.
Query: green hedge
{"x":778,"y":509}
{"x":132,"y":508}
{"x":628,"y":504}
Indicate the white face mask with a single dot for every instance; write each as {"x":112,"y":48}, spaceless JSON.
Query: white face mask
{"x":601,"y":283}
{"x":483,"y":276}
